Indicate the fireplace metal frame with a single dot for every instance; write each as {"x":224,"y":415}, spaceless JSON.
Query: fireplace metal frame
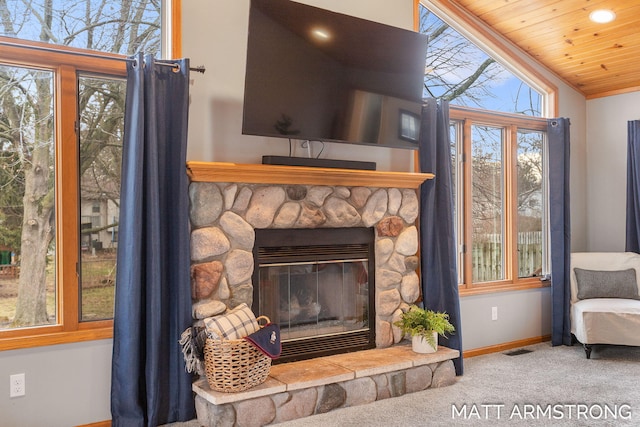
{"x":284,"y":242}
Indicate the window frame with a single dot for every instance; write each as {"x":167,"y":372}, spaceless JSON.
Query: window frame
{"x":465,"y":118}
{"x":68,"y":64}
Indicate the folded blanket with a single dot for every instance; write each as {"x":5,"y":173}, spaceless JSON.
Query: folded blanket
{"x":267,"y":340}
{"x":233,"y":324}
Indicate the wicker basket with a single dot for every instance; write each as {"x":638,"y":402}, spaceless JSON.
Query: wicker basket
{"x":235,"y":365}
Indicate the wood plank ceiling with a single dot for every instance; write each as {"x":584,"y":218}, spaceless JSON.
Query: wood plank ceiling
{"x":596,"y":59}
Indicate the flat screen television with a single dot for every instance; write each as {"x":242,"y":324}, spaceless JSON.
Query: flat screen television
{"x":317,"y":75}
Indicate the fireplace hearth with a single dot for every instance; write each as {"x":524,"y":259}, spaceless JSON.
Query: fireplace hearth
{"x":314,"y":283}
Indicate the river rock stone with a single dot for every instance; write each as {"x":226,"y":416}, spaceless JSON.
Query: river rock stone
{"x":398,"y":383}
{"x":384,"y":249}
{"x":407,"y":243}
{"x":418,"y":379}
{"x":242,"y":293}
{"x":360,"y":391}
{"x":300,"y":403}
{"x":390,"y":226}
{"x":318,"y":194}
{"x":255,"y":412}
{"x":375,"y":208}
{"x":384,"y":335}
{"x":359,"y":196}
{"x":396,"y":263}
{"x":224,"y":293}
{"x":287,"y":215}
{"x":240,"y":231}
{"x":342,"y":192}
{"x":296,"y":192}
{"x":229,"y":194}
{"x":386,"y":279}
{"x":208,"y":308}
{"x":340,"y":213}
{"x":264,"y":204}
{"x":243,"y":199}
{"x":310,"y":217}
{"x":215,"y":415}
{"x":410,"y":287}
{"x":397,"y":332}
{"x":208,"y":242}
{"x":205,"y":279}
{"x":444,"y":374}
{"x":206,"y":203}
{"x":331,"y":397}
{"x":239,"y":266}
{"x":388,"y":302}
{"x":410,"y":207}
{"x":382,"y":386}
{"x":395,"y":200}
{"x":411,"y":263}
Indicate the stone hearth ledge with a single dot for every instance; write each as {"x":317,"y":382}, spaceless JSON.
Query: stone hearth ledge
{"x":298,"y":389}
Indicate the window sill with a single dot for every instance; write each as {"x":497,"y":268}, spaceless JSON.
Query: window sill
{"x":40,"y":338}
{"x":488,"y":288}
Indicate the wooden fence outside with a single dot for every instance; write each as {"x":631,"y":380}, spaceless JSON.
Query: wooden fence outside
{"x":487,"y":256}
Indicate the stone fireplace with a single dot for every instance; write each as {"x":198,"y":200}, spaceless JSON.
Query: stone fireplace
{"x":235,"y":209}
{"x":234,"y":206}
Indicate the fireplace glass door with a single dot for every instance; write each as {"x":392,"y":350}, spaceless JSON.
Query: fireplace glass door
{"x":319,"y":286}
{"x":316,"y":298}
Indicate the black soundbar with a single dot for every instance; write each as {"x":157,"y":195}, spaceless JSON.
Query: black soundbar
{"x":318,"y":163}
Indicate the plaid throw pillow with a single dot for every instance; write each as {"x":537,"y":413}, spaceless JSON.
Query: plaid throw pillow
{"x":233,"y":325}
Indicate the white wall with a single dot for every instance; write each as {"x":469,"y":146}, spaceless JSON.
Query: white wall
{"x":607,"y":169}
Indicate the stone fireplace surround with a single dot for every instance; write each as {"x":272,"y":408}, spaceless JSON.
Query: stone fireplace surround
{"x":229,"y":201}
{"x":226,"y":208}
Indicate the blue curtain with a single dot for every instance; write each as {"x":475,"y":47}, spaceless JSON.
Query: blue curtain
{"x":153,"y":298}
{"x":437,"y":233}
{"x":632,"y":243}
{"x":560,"y":228}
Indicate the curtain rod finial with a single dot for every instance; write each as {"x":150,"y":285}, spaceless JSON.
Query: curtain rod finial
{"x":199,"y":69}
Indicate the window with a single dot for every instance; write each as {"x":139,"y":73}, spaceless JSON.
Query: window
{"x":100,"y":25}
{"x":500,"y":199}
{"x":497,"y":148}
{"x":61,"y":124}
{"x":101,"y":114}
{"x":459,"y":71}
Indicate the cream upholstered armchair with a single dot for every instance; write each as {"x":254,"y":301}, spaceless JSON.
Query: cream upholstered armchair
{"x":605,"y":298}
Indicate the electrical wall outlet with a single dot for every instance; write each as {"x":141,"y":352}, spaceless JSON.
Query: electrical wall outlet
{"x":494,"y":313}
{"x":16,"y":385}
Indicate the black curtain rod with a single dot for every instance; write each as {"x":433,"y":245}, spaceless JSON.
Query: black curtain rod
{"x":167,"y":62}
{"x":199,"y":69}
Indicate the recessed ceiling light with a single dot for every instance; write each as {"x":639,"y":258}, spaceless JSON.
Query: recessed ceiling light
{"x":321,"y":34}
{"x":602,"y":16}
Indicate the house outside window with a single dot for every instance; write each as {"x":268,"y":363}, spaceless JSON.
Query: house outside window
{"x":63,"y":86}
{"x":498,"y":149}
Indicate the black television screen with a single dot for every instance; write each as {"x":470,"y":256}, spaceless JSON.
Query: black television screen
{"x":317,"y":75}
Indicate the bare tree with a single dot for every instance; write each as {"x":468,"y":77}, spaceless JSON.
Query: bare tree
{"x":456,"y":69}
{"x":27,"y":123}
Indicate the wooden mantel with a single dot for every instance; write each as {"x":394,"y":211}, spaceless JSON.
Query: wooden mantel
{"x":273,"y":174}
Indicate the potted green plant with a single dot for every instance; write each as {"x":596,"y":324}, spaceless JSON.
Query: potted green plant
{"x":424,"y":326}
